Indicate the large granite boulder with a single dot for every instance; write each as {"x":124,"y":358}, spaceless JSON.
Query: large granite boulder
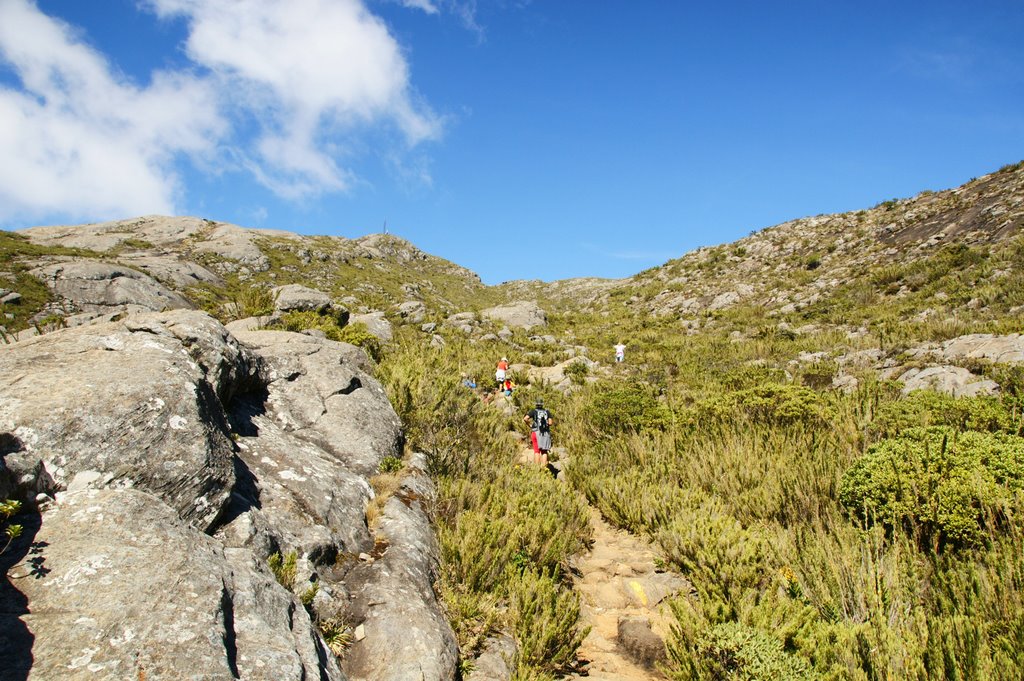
{"x":322,"y":392}
{"x":393,"y":597}
{"x":1008,"y":349}
{"x":523,"y":314}
{"x":412,"y":311}
{"x":174,"y":270}
{"x":952,"y":380}
{"x":134,"y":403}
{"x":94,"y":286}
{"x":121,"y":589}
{"x":299,"y":298}
{"x":376,"y":323}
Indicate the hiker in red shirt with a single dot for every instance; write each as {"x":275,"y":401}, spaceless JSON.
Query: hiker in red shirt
{"x":499,"y":374}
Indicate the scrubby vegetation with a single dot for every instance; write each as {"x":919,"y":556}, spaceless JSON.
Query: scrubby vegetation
{"x":506,"y":531}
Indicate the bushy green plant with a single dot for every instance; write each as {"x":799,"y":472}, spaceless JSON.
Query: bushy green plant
{"x":391,"y":464}
{"x":735,"y":652}
{"x":8,"y":509}
{"x":577,"y":372}
{"x":358,"y":334}
{"x":923,"y":408}
{"x":949,"y":486}
{"x":545,"y":616}
{"x":723,"y":558}
{"x":284,"y":568}
{"x":768,"y":403}
{"x":629,"y":407}
{"x":253,"y":301}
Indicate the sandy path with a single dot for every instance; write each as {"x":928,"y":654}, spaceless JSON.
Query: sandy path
{"x":617,"y":579}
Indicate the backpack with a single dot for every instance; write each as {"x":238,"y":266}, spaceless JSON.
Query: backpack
{"x":542,"y":420}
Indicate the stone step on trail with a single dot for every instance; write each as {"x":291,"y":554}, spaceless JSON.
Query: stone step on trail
{"x":623,"y":598}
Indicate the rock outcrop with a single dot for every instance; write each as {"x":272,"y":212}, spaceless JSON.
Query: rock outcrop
{"x":127,"y":591}
{"x":522,"y":314}
{"x":181,"y":455}
{"x":135,"y":403}
{"x":99,"y":286}
{"x":393,"y":598}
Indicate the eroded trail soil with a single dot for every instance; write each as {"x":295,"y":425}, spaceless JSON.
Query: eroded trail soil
{"x":623,"y":599}
{"x":622,"y":592}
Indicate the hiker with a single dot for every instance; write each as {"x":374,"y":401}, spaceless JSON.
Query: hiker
{"x":620,"y":352}
{"x":507,"y":387}
{"x":539,"y":419}
{"x":499,"y":374}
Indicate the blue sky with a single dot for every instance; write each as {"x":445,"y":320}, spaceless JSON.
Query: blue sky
{"x":545,"y":139}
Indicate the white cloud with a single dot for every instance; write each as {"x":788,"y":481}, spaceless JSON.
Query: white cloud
{"x":80,"y":143}
{"x":312,"y":77}
{"x":425,"y":5}
{"x":311,"y":72}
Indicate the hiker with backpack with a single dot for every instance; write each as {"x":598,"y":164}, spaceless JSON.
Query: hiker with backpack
{"x":499,"y":374}
{"x":539,"y":419}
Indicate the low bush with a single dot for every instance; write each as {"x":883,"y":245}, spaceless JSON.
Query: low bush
{"x":923,"y":408}
{"x":545,"y":616}
{"x":767,"y":404}
{"x":577,"y":372}
{"x":625,"y":407}
{"x":735,"y":651}
{"x":949,"y":487}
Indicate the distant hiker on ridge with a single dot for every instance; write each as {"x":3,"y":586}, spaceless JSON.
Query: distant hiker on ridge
{"x":620,"y":352}
{"x":499,"y":374}
{"x":539,"y":419}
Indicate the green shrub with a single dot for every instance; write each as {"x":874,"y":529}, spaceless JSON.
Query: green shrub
{"x":545,"y":618}
{"x":722,"y":558}
{"x":768,"y":403}
{"x":253,"y":301}
{"x":949,"y":486}
{"x":284,"y":568}
{"x":359,"y":335}
{"x":577,"y":372}
{"x":8,"y":509}
{"x":923,"y":408}
{"x":732,"y":650}
{"x":630,"y":407}
{"x":391,"y":464}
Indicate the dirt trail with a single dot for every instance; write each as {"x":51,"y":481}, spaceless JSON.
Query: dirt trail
{"x":618,"y":581}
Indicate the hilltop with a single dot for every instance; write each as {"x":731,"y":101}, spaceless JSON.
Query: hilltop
{"x":811,"y":266}
{"x":815,"y":442}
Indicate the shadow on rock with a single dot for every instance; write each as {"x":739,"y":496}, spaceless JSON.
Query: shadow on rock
{"x":16,"y":640}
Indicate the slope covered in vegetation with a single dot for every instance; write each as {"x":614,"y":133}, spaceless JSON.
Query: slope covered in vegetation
{"x":763,"y":431}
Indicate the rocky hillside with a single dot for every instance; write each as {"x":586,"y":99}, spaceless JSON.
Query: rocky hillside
{"x":159,"y":263}
{"x":197,"y":504}
{"x":176,"y":409}
{"x":795,"y":265}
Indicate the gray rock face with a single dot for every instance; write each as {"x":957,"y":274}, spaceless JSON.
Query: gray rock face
{"x":322,"y":392}
{"x":952,"y":380}
{"x":496,"y":662}
{"x":132,"y":404}
{"x":124,"y":590}
{"x":393,"y":598}
{"x":523,"y":314}
{"x":180,"y":273}
{"x":1007,"y":349}
{"x":98,"y":286}
{"x":298,"y":298}
{"x":301,"y":497}
{"x":376,"y":323}
{"x":413,"y":311}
